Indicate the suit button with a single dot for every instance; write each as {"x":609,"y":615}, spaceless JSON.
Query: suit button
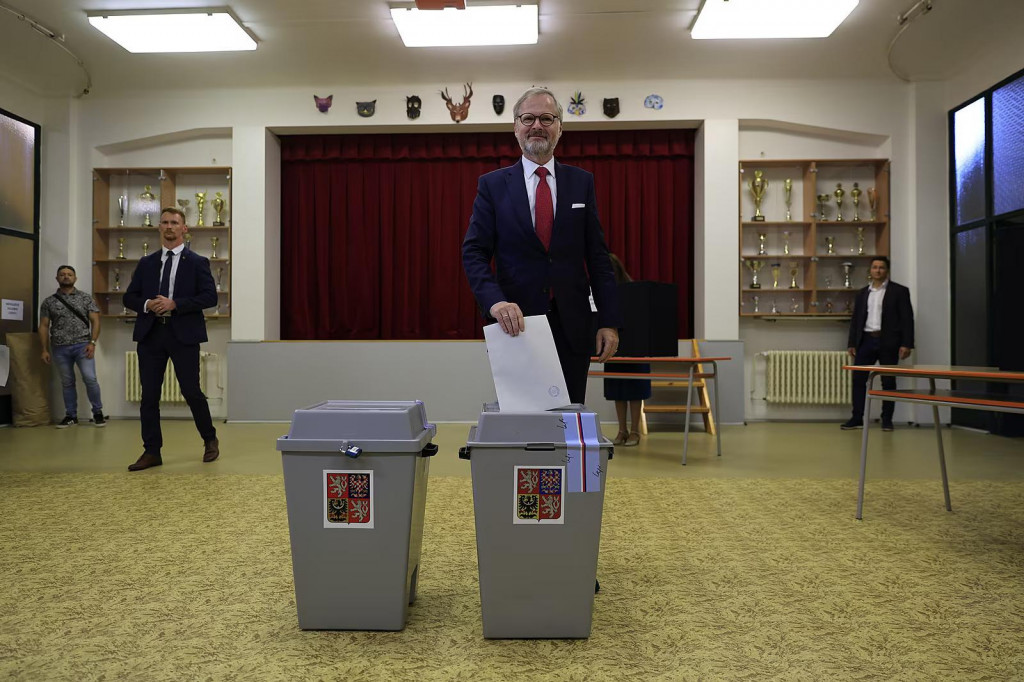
{"x":545,"y":290}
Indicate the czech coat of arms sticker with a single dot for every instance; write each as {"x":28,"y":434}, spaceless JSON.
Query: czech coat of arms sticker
{"x":539,"y":495}
{"x":348,"y":499}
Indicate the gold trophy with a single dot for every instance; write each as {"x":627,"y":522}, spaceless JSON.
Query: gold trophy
{"x":218,"y":206}
{"x":847,"y":267}
{"x":213,"y":242}
{"x":794,"y":270}
{"x":200,"y":201}
{"x":822,"y":205}
{"x":873,"y":202}
{"x":761,"y":237}
{"x":145,"y":249}
{"x":188,"y":240}
{"x":855,"y":195}
{"x":787,"y":185}
{"x":120,"y":248}
{"x":755,"y":267}
{"x":860,"y":239}
{"x":838,"y":194}
{"x":183,"y":205}
{"x":776,"y":269}
{"x":830,"y":246}
{"x":148,"y":200}
{"x":758,"y":187}
{"x":117,"y":279}
{"x":785,"y":242}
{"x":122,"y":206}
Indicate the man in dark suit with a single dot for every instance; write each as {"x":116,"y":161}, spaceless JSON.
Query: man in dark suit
{"x":169,"y":290}
{"x":537,"y":220}
{"x":882,"y":330}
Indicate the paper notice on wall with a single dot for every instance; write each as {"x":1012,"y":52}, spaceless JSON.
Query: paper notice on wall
{"x":11,"y":309}
{"x":526,"y":371}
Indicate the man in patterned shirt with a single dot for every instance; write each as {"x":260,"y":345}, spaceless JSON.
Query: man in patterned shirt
{"x":69,"y":327}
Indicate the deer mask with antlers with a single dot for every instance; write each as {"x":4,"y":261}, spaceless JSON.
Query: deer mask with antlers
{"x":458,"y":111}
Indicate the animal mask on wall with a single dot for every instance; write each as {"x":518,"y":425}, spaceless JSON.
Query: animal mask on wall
{"x":654,"y":102}
{"x":413,"y":105}
{"x":323,"y":103}
{"x":498,"y":101}
{"x":366,"y":109}
{"x":459,"y":111}
{"x":611,"y":107}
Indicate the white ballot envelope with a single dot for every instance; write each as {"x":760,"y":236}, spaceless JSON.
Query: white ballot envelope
{"x":526,"y":371}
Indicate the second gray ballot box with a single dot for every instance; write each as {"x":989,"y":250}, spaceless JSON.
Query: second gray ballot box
{"x":355,"y":480}
{"x":538,"y":494}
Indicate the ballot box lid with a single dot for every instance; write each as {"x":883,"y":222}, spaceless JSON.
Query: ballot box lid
{"x":496,"y":428}
{"x":377,"y":425}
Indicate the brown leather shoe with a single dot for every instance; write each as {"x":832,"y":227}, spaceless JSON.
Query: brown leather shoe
{"x":146,"y":461}
{"x":212,"y":451}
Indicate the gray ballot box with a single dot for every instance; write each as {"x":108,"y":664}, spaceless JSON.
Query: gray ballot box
{"x":355,"y":481}
{"x":538,"y":494}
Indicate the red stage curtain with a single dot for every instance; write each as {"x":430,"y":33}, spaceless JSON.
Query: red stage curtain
{"x":372,"y":225}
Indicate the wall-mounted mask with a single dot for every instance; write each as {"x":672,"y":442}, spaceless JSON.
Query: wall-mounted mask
{"x":577,"y":104}
{"x":498,"y":101}
{"x":458,"y":111}
{"x":323,"y":103}
{"x":654,"y":102}
{"x":611,"y":107}
{"x":366,"y":109}
{"x":413,"y":106}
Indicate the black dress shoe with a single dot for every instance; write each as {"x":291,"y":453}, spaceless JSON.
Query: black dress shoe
{"x":146,"y":461}
{"x":597,"y":586}
{"x":212,"y":451}
{"x":887,"y":425}
{"x":852,"y":424}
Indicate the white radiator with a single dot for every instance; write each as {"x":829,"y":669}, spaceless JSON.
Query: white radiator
{"x":807,"y":377}
{"x":171,"y":390}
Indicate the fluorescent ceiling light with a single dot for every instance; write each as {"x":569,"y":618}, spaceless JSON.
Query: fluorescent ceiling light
{"x":476,"y":25}
{"x":770,"y":18}
{"x":174,"y":30}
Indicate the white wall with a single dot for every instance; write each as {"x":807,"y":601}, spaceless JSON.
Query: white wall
{"x":174,"y":129}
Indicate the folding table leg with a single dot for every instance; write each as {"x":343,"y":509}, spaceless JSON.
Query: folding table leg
{"x":689,"y":403}
{"x":942,"y":453}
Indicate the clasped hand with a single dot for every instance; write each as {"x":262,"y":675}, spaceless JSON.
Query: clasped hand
{"x":161,"y":305}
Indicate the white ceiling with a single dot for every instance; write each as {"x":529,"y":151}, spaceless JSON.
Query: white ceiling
{"x":330,"y":42}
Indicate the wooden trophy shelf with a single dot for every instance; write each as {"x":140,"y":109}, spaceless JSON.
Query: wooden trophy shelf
{"x":122,"y":201}
{"x":801,"y":236}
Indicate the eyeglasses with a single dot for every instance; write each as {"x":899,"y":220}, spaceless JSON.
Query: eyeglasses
{"x":546,"y":120}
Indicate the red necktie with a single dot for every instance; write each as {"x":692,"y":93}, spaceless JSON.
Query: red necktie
{"x":544,"y":212}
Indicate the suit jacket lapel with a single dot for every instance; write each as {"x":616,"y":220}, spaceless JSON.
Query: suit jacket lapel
{"x":563,"y":209}
{"x":515,"y":183}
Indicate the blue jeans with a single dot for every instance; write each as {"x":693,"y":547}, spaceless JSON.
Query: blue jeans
{"x":66,"y":357}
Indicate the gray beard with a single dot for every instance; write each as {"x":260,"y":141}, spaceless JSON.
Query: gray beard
{"x":538,"y":146}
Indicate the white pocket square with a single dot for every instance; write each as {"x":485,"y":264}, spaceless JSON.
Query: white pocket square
{"x":579,"y":205}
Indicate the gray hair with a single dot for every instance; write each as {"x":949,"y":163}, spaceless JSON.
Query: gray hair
{"x":536,"y":91}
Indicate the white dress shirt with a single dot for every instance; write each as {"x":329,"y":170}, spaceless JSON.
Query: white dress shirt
{"x":532,"y":180}
{"x":174,"y":271}
{"x":875,"y":296}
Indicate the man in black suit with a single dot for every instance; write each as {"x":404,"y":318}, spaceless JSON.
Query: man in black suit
{"x":537,"y":220}
{"x":882,"y":330}
{"x":169,"y":290}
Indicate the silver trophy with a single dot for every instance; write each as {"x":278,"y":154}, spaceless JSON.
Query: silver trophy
{"x":122,"y":206}
{"x":847,"y":267}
